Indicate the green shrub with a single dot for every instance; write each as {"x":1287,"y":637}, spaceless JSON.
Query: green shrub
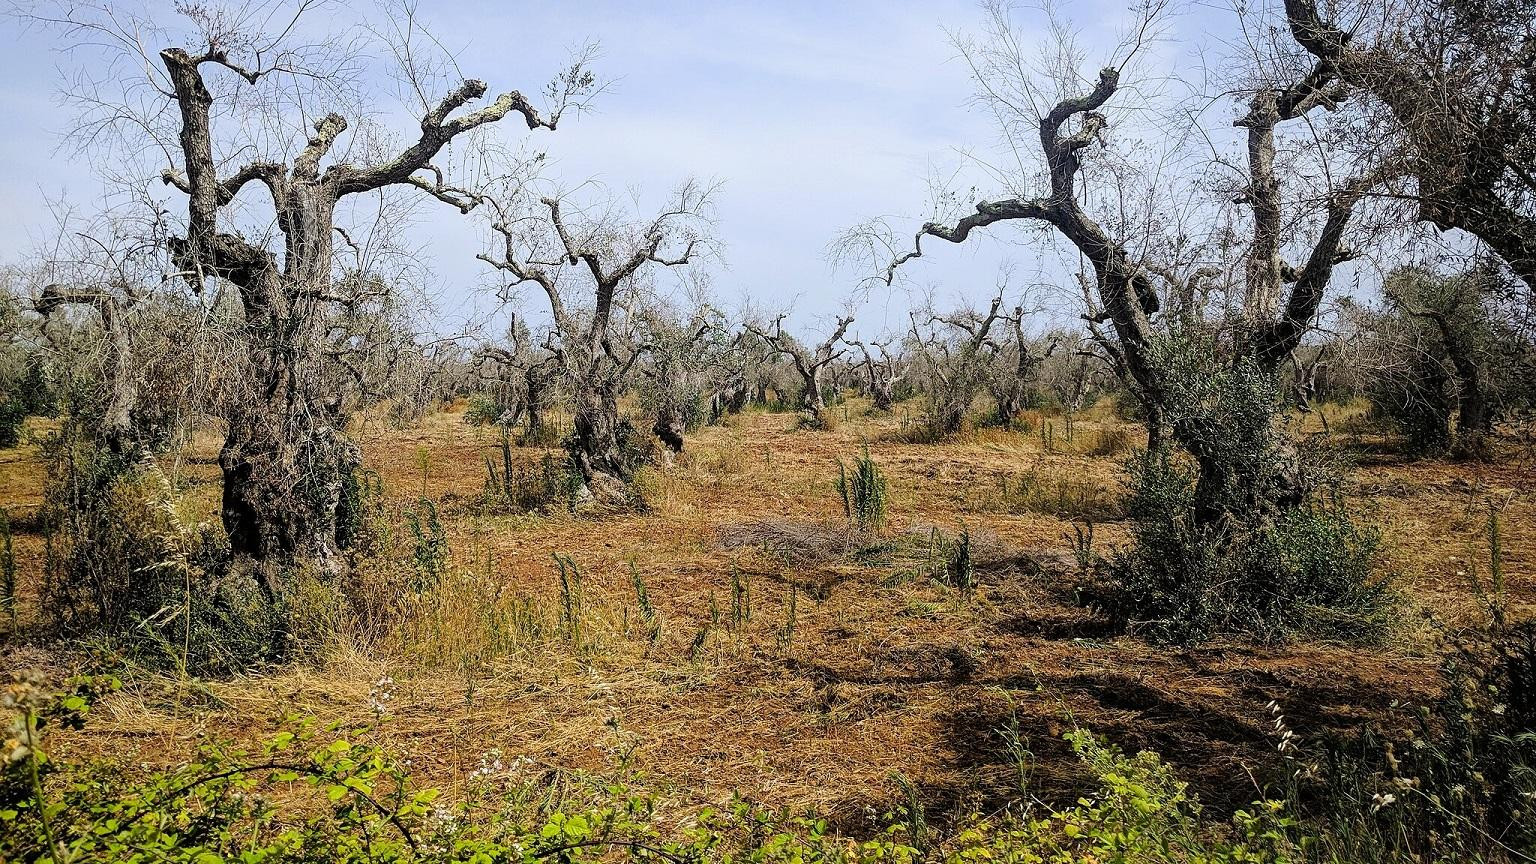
{"x":1240,"y":533}
{"x":1304,"y":571}
{"x":530,"y":487}
{"x":28,"y":395}
{"x":429,"y":546}
{"x":483,"y":409}
{"x":863,"y":492}
{"x":950,"y":561}
{"x":1461,"y":786}
{"x":13,"y":413}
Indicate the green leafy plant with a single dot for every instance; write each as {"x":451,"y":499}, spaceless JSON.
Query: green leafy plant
{"x":863,"y":492}
{"x":650,"y":618}
{"x":947,"y":561}
{"x":360,"y":524}
{"x":429,"y":546}
{"x":484,"y":409}
{"x":1239,"y":533}
{"x":550,"y":484}
{"x":328,"y":794}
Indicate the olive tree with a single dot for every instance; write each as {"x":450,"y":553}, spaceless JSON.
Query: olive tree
{"x":524,"y":374}
{"x":1455,"y":82}
{"x":266,"y":135}
{"x":1128,"y":277}
{"x":690,"y":363}
{"x":956,"y":351}
{"x":589,"y":266}
{"x":881,"y":374}
{"x":810,"y":362}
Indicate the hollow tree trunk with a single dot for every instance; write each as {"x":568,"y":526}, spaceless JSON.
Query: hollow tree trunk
{"x":535,"y":402}
{"x":735,"y":398}
{"x":283,"y":488}
{"x":1010,"y":401}
{"x":285,"y":460}
{"x":1473,"y":420}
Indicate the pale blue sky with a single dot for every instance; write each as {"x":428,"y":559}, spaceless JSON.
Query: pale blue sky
{"x":815,"y":116}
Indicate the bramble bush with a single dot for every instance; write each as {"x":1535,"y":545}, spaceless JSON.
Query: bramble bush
{"x":1304,"y":571}
{"x":1461,"y":786}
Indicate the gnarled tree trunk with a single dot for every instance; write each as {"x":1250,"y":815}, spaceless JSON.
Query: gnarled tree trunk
{"x":597,"y":444}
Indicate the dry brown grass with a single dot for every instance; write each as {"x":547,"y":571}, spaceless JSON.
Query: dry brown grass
{"x":884,"y":674}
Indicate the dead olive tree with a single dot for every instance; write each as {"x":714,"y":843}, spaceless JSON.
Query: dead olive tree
{"x":589,"y":269}
{"x":1016,"y":364}
{"x":956,"y":352}
{"x":1071,"y":369}
{"x":809,"y":363}
{"x":1280,"y":299}
{"x":675,"y":379}
{"x":1210,"y":544}
{"x":1457,"y":82}
{"x":524,"y":375}
{"x":882,"y":375}
{"x":736,"y":368}
{"x":226,"y":104}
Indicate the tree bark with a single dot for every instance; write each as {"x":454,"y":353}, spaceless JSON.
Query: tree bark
{"x":598,"y":445}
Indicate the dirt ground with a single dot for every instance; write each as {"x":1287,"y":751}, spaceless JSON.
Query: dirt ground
{"x":878,"y":672}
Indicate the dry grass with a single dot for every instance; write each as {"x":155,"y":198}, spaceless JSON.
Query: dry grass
{"x":883,"y":674}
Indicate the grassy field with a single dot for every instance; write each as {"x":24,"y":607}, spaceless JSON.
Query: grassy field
{"x":798,"y":667}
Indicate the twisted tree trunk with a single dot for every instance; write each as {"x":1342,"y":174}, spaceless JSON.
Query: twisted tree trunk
{"x":598,"y":446}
